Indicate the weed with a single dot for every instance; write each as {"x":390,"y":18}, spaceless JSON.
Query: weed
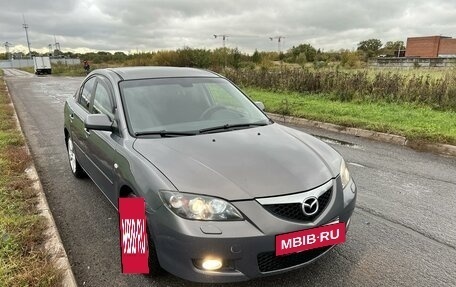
{"x":357,"y":85}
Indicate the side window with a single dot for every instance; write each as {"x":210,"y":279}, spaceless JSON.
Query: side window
{"x":102,"y":101}
{"x":84,"y":98}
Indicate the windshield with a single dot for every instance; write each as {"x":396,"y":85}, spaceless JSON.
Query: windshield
{"x":186,"y":105}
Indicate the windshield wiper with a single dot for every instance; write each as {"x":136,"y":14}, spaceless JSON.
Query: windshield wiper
{"x":228,"y":126}
{"x":165,"y":133}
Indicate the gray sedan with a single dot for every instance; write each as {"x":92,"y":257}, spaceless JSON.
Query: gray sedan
{"x":230,"y":195}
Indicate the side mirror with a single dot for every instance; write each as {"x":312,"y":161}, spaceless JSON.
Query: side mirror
{"x":260,"y":105}
{"x":99,"y":122}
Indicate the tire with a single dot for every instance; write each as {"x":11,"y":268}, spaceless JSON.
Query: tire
{"x":76,"y":169}
{"x":155,"y":270}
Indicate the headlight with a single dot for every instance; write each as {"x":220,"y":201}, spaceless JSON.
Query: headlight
{"x":199,"y":207}
{"x":344,"y":174}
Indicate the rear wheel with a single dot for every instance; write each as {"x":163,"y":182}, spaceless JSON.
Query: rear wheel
{"x":154,"y":265}
{"x":76,"y":169}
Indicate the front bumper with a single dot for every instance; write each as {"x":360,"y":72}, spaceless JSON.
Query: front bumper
{"x":246,"y":247}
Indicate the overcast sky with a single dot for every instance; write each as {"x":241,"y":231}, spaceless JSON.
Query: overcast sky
{"x":141,"y":25}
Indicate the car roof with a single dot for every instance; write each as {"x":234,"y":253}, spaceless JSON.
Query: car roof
{"x":133,"y":73}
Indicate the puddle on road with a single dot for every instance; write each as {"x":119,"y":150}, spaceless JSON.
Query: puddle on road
{"x":338,"y":142}
{"x":356,"y":164}
{"x":342,"y":143}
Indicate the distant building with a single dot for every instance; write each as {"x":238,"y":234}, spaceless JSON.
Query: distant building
{"x":431,"y":47}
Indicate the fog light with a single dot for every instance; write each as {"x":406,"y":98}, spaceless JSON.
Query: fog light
{"x":212,"y":264}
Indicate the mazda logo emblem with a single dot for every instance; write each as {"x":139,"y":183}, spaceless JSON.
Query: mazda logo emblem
{"x":310,"y":206}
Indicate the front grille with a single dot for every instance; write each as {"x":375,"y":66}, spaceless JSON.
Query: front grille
{"x":267,"y":261}
{"x":293,"y":211}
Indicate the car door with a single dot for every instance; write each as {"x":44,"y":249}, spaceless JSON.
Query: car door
{"x":77,"y":113}
{"x":102,"y":145}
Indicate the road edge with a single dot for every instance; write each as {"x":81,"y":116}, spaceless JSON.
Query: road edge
{"x":444,"y":149}
{"x":53,"y":244}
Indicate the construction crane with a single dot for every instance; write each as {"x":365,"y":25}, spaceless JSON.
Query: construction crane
{"x":57,"y":44}
{"x":279,"y":42}
{"x":224,"y":37}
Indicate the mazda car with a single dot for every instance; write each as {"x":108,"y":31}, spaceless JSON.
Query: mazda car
{"x":230,"y":195}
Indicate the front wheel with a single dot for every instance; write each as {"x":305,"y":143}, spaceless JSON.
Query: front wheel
{"x":76,"y":169}
{"x":155,"y":269}
{"x":154,"y":265}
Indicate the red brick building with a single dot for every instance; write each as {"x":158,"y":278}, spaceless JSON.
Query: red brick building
{"x":431,"y":47}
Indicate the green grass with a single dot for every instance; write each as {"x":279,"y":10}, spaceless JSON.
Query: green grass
{"x":23,"y":261}
{"x":68,"y":70}
{"x":412,"y":121}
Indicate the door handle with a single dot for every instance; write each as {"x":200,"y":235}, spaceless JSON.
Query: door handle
{"x":87,"y":132}
{"x":71,"y":116}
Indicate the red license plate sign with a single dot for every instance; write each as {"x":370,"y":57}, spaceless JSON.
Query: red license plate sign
{"x":133,"y":235}
{"x":310,"y":239}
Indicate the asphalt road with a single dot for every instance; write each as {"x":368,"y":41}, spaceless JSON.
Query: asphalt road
{"x":403,"y":231}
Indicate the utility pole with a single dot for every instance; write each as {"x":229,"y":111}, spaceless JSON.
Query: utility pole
{"x":224,"y":37}
{"x":25,"y":26}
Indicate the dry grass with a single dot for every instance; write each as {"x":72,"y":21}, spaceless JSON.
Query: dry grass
{"x":436,"y":90}
{"x":23,"y":260}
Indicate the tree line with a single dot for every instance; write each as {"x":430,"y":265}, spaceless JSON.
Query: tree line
{"x":303,"y":54}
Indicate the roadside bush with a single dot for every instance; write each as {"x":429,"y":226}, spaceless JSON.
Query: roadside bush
{"x":347,"y":85}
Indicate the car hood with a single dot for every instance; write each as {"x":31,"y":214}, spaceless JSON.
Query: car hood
{"x":243,"y":164}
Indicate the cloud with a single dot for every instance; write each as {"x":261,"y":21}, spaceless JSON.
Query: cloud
{"x":171,"y":24}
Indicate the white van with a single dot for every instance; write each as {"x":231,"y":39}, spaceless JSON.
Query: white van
{"x":42,"y":65}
